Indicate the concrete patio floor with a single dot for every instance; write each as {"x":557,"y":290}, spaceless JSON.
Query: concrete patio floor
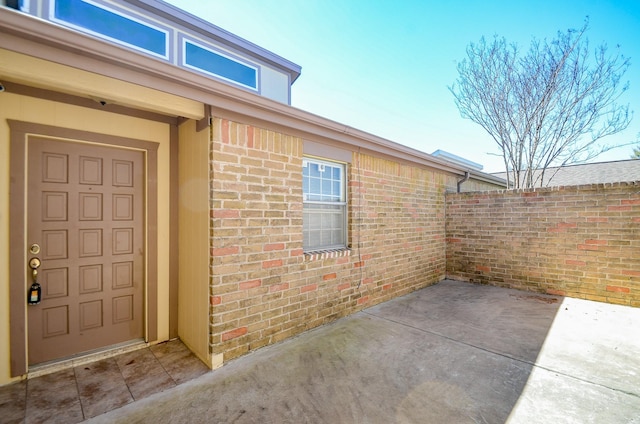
{"x":450,"y":353}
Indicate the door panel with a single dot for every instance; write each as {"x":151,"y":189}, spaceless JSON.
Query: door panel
{"x":86,"y":211}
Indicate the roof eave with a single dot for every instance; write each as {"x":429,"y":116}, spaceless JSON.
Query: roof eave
{"x":25,"y":34}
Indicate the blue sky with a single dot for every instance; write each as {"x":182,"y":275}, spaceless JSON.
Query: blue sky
{"x":384,"y":66}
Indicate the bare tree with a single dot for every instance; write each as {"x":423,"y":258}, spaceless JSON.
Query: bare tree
{"x":550,"y":106}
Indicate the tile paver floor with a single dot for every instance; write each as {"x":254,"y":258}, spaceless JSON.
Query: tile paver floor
{"x":75,"y":394}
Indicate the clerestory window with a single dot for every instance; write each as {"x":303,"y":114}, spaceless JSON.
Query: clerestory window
{"x":324,"y":205}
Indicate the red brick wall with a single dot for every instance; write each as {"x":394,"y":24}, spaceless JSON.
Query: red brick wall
{"x":580,"y":242}
{"x":263,"y":288}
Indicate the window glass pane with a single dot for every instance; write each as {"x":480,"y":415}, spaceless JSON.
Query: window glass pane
{"x":314,"y":170}
{"x":336,"y":189}
{"x":315,"y":188}
{"x":325,"y":239}
{"x":319,"y":184}
{"x":336,"y":221}
{"x":326,"y":190}
{"x":112,"y":25}
{"x":324,"y":226}
{"x":315,"y":221}
{"x":219,"y":65}
{"x":336,"y":173}
{"x":336,"y":236}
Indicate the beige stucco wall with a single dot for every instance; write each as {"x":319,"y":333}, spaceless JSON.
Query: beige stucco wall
{"x":193,"y":293}
{"x":48,"y":112}
{"x":41,"y":73}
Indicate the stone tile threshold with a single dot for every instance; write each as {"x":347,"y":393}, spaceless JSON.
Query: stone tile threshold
{"x":74,"y":390}
{"x":86,"y":358}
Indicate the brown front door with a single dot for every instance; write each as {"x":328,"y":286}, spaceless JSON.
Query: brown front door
{"x":85,"y":213}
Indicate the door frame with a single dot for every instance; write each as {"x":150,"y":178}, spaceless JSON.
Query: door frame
{"x":18,"y":273}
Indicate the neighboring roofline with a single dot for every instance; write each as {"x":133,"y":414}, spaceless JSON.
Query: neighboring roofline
{"x":28,"y":35}
{"x":576,"y":164}
{"x":457,"y":159}
{"x":605,"y":172}
{"x":199,"y":25}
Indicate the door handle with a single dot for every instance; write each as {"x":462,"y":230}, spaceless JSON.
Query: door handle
{"x":34,"y":264}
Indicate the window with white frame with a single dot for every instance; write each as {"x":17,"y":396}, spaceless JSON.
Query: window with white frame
{"x":114,"y":24}
{"x":324,"y":205}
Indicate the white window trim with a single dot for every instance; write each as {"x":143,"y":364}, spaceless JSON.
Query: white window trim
{"x":218,"y":51}
{"x":343,"y":203}
{"x":125,"y":14}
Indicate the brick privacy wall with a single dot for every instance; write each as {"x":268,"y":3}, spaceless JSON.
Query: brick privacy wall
{"x":263,"y":288}
{"x":579,"y":241}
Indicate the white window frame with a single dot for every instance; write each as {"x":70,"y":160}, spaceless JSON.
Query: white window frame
{"x":108,"y":7}
{"x":219,"y":52}
{"x":325,"y":217}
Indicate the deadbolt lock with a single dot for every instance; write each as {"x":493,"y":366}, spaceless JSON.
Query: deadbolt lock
{"x":34,"y":249}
